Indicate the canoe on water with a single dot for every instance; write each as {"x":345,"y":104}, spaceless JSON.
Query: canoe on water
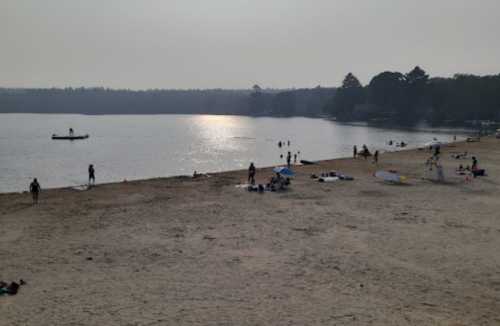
{"x":70,"y":137}
{"x":304,"y":162}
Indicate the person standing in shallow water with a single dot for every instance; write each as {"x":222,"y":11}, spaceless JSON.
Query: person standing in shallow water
{"x":289,"y":159}
{"x":35,"y":190}
{"x":91,"y":174}
{"x":251,"y":174}
{"x":354,"y":151}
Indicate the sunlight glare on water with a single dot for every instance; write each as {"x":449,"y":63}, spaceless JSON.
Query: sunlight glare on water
{"x":146,"y":146}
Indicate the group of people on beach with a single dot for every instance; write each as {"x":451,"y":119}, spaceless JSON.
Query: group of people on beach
{"x":365,"y":153}
{"x":35,"y":187}
{"x":289,"y":154}
{"x":276,"y":182}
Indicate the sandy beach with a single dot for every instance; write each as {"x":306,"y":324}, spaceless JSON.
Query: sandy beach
{"x":183,"y":251}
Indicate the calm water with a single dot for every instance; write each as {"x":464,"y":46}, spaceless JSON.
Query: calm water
{"x":144,"y":146}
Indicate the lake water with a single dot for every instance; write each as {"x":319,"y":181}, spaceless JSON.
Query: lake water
{"x":145,"y":146}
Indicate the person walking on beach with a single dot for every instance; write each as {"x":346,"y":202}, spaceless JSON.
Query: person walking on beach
{"x":251,"y":174}
{"x":289,"y":159}
{"x":375,"y":157}
{"x":35,"y":190}
{"x":91,"y":174}
{"x":355,"y":151}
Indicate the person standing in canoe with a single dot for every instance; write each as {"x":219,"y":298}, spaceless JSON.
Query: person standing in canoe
{"x":91,"y":174}
{"x":35,"y":190}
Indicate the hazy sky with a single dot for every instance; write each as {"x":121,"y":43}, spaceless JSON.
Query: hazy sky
{"x":143,"y":44}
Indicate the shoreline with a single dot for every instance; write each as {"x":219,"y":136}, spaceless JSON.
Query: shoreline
{"x":214,"y":174}
{"x":201,"y":251}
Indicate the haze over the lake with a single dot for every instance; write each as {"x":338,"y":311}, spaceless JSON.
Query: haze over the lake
{"x":141,"y":44}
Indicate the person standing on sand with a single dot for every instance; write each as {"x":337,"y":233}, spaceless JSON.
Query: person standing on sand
{"x":355,"y":151}
{"x":289,"y":159}
{"x":251,"y":174}
{"x":437,"y":152}
{"x":375,"y":157}
{"x":365,"y":152}
{"x":35,"y":190}
{"x":91,"y":174}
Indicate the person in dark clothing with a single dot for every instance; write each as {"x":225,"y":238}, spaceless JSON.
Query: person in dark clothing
{"x":279,"y":144}
{"x":365,"y":153}
{"x":355,"y":151}
{"x":71,"y":132}
{"x":91,"y":174}
{"x":35,"y":190}
{"x":437,"y":150}
{"x":289,"y":159}
{"x":474,"y":164}
{"x":375,"y":157}
{"x":251,"y":174}
{"x":295,"y":158}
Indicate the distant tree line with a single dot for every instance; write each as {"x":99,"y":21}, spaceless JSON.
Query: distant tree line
{"x":256,"y":102}
{"x":391,"y":97}
{"x":413,"y":97}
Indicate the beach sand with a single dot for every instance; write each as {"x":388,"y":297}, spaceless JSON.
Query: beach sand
{"x":182,"y":251}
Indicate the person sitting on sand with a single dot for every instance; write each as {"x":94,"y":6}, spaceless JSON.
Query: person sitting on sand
{"x":35,"y":190}
{"x":276,"y":183}
{"x":251,"y":174}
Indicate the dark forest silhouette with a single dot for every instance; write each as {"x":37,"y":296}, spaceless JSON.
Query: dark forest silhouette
{"x":303,"y":102}
{"x":389,"y":97}
{"x":414,"y":97}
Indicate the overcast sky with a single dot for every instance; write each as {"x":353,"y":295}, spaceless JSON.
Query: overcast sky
{"x":142,"y":44}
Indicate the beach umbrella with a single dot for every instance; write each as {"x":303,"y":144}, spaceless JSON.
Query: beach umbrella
{"x":283,"y":171}
{"x":433,"y":144}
